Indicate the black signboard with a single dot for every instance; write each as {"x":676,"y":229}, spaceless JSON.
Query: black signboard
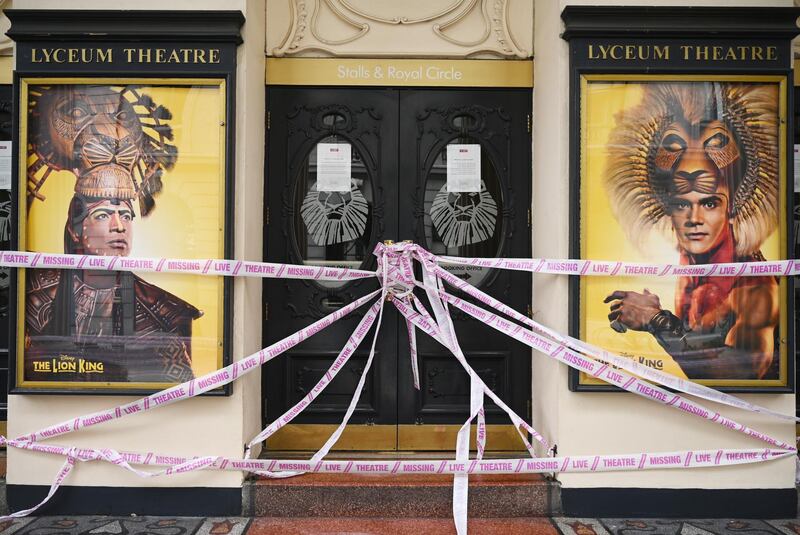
{"x":124,"y":132}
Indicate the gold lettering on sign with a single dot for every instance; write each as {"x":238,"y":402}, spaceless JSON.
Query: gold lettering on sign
{"x":729,"y":53}
{"x":772,"y":53}
{"x":629,"y":52}
{"x":71,"y":55}
{"x":172,"y":55}
{"x":130,"y":55}
{"x":709,"y":53}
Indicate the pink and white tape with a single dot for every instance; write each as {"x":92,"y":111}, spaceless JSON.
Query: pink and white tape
{"x":605,"y":268}
{"x":243,"y":268}
{"x":397,"y":283}
{"x":525,"y":465}
{"x":232,"y":268}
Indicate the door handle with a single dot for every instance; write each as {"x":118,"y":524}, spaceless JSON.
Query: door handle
{"x":332,"y":302}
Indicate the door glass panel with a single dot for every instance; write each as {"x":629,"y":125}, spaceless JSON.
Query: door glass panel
{"x":464,"y":224}
{"x":333,"y":228}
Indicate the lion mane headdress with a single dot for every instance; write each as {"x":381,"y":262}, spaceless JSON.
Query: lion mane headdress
{"x":115,"y":140}
{"x":639,"y":196}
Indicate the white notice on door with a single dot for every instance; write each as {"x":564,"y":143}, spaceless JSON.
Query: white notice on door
{"x":5,"y":165}
{"x":333,"y":167}
{"x":463,"y":168}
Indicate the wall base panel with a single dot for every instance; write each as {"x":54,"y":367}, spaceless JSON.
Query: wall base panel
{"x":187,"y":501}
{"x":686,"y":503}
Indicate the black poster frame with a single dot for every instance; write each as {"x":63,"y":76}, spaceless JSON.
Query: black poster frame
{"x":167,"y":30}
{"x":675,"y":27}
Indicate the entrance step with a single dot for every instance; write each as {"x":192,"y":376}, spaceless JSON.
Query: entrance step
{"x":399,"y":496}
{"x":406,"y":526}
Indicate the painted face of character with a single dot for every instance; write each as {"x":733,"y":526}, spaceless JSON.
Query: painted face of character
{"x":699,"y":219}
{"x":699,"y":159}
{"x":108,"y":229}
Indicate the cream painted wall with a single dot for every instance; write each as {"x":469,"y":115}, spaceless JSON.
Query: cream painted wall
{"x":550,"y":211}
{"x":614,"y":423}
{"x":207,"y":426}
{"x":578,"y":423}
{"x":250,"y":139}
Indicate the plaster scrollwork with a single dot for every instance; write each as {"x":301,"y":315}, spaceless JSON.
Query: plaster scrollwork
{"x":439,"y":29}
{"x":307,"y":34}
{"x":404,"y":19}
{"x":6,"y":44}
{"x":361,"y":27}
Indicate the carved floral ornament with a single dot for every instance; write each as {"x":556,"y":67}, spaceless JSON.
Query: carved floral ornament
{"x":6,"y":45}
{"x":361,"y":27}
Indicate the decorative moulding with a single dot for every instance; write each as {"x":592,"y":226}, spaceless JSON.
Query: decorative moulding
{"x":6,"y":44}
{"x":358,"y":28}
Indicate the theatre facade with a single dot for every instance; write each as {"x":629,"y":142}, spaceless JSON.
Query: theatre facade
{"x":164,"y":139}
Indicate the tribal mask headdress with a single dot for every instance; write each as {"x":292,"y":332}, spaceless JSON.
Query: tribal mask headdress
{"x":736,"y":127}
{"x":115,"y":141}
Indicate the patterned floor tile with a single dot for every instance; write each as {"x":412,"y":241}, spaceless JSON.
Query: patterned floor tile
{"x":580,"y":526}
{"x":789,"y":527}
{"x":9,"y":527}
{"x":653,"y":526}
{"x":222,"y":526}
{"x":109,"y":525}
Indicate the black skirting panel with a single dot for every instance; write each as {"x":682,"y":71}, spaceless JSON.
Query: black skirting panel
{"x":185,"y":501}
{"x":686,"y":503}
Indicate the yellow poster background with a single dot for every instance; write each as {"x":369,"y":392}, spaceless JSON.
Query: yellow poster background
{"x":188,"y":219}
{"x":602,"y":238}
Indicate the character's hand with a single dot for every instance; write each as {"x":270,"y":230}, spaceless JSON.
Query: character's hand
{"x":632,"y":310}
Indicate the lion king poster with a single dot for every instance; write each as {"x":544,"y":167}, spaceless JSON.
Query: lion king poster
{"x":685,"y":170}
{"x":131,"y":168}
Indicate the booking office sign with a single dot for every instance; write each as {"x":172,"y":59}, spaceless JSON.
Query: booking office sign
{"x":685,"y":170}
{"x":126,"y":167}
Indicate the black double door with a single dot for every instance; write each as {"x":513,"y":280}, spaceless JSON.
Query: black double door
{"x":398,"y":143}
